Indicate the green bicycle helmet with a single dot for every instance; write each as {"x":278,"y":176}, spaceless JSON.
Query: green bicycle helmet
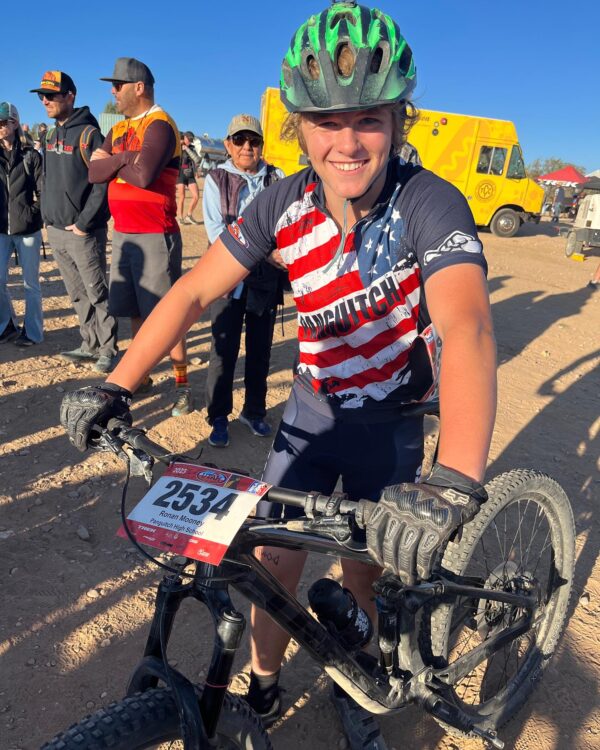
{"x":345,"y":58}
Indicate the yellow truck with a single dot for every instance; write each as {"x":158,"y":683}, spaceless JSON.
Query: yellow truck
{"x":480,"y":156}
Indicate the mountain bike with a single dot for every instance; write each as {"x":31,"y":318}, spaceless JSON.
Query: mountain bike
{"x":467,"y":646}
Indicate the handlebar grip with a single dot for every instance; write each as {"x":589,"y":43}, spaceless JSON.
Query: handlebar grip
{"x":287,"y":497}
{"x":137,"y":439}
{"x":364,"y":512}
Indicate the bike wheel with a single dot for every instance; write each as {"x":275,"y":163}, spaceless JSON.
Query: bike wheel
{"x":149,"y":720}
{"x":523,"y":534}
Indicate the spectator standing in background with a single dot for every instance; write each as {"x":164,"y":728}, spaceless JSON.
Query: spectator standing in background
{"x":140,"y":160}
{"x":228,"y":189}
{"x":42,"y":132}
{"x":26,"y":134}
{"x":20,"y":228}
{"x":76,"y":216}
{"x":190,"y":163}
{"x":557,"y":203}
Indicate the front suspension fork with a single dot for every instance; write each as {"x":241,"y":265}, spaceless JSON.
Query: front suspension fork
{"x":200,"y":718}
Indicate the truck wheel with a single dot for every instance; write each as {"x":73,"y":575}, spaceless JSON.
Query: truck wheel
{"x":573,"y":245}
{"x":505,"y":223}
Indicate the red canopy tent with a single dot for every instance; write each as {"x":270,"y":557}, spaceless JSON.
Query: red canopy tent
{"x":567,"y":176}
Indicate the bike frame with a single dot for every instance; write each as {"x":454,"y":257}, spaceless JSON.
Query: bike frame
{"x":401,"y":676}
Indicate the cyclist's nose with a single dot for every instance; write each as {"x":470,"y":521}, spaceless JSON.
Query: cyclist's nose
{"x":348,"y":142}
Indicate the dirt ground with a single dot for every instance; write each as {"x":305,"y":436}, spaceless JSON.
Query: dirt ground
{"x":75,"y":610}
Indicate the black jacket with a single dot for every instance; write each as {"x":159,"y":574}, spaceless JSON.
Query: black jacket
{"x":67,"y":197}
{"x":20,"y":187}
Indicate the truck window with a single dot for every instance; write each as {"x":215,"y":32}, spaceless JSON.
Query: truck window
{"x":516,"y":166}
{"x":491,"y":160}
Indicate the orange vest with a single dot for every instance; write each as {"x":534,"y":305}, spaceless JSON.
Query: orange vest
{"x":144,"y":210}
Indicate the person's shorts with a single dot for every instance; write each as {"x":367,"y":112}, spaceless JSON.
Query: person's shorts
{"x":183,"y":180}
{"x":313,"y":449}
{"x":143,"y":269}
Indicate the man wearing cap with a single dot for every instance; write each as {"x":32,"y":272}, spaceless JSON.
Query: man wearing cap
{"x":190,"y":161}
{"x":228,"y":189}
{"x":76,"y":216}
{"x":20,"y":228}
{"x":140,"y":160}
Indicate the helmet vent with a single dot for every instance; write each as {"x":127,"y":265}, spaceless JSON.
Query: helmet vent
{"x":405,"y":60}
{"x":376,"y":60}
{"x":339,"y":17}
{"x":312,"y":67}
{"x":345,"y":60}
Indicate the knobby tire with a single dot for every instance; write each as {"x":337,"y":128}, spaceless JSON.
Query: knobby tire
{"x":149,"y":720}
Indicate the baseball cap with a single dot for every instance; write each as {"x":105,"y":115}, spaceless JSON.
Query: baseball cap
{"x":189,"y":134}
{"x":130,"y":70}
{"x":55,"y":82}
{"x":244,"y":122}
{"x":8,"y":111}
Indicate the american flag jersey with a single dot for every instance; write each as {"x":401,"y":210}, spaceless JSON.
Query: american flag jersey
{"x":364,"y":334}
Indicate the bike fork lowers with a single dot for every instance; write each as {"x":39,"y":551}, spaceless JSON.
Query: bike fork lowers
{"x":199,"y":718}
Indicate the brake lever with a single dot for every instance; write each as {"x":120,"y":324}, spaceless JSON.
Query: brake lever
{"x":140,"y":463}
{"x":338,"y":528}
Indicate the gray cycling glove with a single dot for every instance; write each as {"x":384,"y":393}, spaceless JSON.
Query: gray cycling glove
{"x":411,"y":523}
{"x":95,"y":405}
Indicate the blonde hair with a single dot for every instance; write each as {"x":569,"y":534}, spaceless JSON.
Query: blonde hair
{"x":404,"y":116}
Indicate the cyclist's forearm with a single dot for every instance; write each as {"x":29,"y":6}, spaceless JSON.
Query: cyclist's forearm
{"x":467,"y":400}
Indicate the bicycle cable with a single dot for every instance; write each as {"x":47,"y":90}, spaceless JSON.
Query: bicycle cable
{"x":130,"y":535}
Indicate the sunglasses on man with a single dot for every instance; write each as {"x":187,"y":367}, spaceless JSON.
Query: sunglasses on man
{"x":4,"y":123}
{"x":118,"y":85}
{"x":49,"y":95}
{"x":239,"y":139}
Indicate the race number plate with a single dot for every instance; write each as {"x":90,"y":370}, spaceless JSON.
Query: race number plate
{"x":194,"y":511}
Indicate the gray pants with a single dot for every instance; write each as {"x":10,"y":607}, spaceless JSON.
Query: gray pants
{"x":82,"y":264}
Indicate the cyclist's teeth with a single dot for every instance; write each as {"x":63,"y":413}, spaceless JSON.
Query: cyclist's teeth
{"x":346,"y":167}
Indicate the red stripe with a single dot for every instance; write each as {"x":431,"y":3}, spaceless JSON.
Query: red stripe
{"x":332,"y":357}
{"x":315,"y":259}
{"x":290,"y":234}
{"x":335,"y":291}
{"x":372,"y":375}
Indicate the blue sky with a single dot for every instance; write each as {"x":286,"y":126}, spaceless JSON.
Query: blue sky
{"x":530,"y":61}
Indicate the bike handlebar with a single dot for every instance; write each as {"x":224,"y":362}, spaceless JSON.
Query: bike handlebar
{"x":119,"y":434}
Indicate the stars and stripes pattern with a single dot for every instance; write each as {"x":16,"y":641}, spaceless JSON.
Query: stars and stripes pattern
{"x":357,"y":309}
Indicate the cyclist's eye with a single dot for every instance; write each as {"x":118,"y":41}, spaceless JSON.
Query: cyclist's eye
{"x":371,"y":122}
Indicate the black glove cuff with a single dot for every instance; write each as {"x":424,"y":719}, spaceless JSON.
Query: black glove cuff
{"x":443,"y":476}
{"x":114,"y":388}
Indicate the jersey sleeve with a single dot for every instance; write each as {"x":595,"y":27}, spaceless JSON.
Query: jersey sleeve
{"x":251,"y":238}
{"x":442,"y":230}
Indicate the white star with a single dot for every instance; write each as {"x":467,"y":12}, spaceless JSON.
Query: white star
{"x":386,"y":228}
{"x":395,"y":215}
{"x":379,"y":249}
{"x":369,"y":244}
{"x":392,"y":238}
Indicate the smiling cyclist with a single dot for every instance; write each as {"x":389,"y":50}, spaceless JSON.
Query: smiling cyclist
{"x":389,"y":279}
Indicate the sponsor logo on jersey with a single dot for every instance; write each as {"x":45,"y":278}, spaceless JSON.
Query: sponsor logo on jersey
{"x":455,"y":242}
{"x":235,"y":231}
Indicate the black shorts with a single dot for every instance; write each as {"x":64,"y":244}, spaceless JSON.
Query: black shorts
{"x":185,"y":180}
{"x":314,"y":448}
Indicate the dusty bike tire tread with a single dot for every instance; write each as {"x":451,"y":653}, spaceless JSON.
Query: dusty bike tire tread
{"x":501,"y":490}
{"x":152,"y":717}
